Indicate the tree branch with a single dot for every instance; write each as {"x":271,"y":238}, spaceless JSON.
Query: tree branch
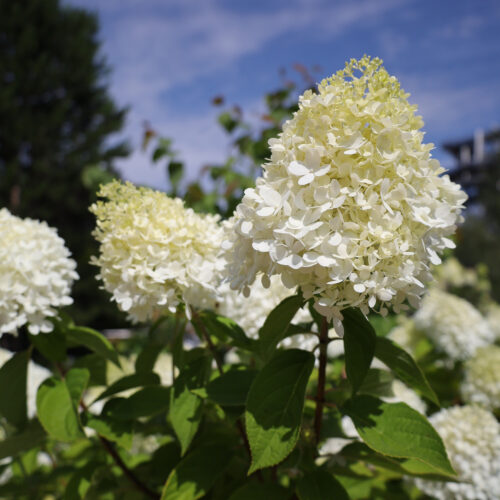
{"x":107,"y":445}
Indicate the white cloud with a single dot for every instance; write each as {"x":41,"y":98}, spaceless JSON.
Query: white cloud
{"x":154,"y":51}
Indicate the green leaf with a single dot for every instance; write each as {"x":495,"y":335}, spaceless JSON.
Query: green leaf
{"x":319,"y":484}
{"x":274,"y":407}
{"x":404,"y":367}
{"x":80,"y":482}
{"x":196,"y":473}
{"x":227,"y":121}
{"x":396,"y":430}
{"x":112,"y":429}
{"x":185,"y":417}
{"x":33,"y":435}
{"x":274,"y":328}
{"x":146,"y":359}
{"x":175,"y":173}
{"x":52,"y":345}
{"x":264,"y":491}
{"x":149,"y":401}
{"x":230,"y":388}
{"x":129,"y":382}
{"x":359,"y":346}
{"x":377,"y":383}
{"x":185,"y":407}
{"x":222,"y":327}
{"x":93,"y":340}
{"x":76,"y":381}
{"x":13,"y":375}
{"x":358,"y":451}
{"x":56,"y":410}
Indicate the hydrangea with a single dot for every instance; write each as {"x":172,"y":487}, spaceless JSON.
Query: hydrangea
{"x":36,"y":274}
{"x":453,"y":324}
{"x":481,"y":384}
{"x":154,"y":252}
{"x":451,"y":274}
{"x":472,"y":439}
{"x":351,"y":206}
{"x":493,"y":318}
{"x":405,"y":334}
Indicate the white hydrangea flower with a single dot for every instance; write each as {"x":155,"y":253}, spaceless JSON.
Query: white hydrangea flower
{"x":351,"y":206}
{"x":154,"y":252}
{"x":493,"y":318}
{"x":36,"y":274}
{"x":405,"y":334}
{"x":36,"y":375}
{"x":481,"y":384}
{"x":451,"y":274}
{"x":453,"y":324}
{"x":403,"y":394}
{"x":472,"y":439}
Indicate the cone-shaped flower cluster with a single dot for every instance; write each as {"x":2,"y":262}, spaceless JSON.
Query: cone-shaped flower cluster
{"x":154,"y":252}
{"x":36,"y":274}
{"x":482,"y":378}
{"x":453,"y":324}
{"x":472,"y":439}
{"x":351,"y":206}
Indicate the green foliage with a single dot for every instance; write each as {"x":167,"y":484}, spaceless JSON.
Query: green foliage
{"x":210,"y":429}
{"x":13,"y":375}
{"x":225,"y":328}
{"x":93,"y":340}
{"x":273,"y":414}
{"x":56,"y":407}
{"x":277,"y":323}
{"x":320,"y":484}
{"x":230,"y":388}
{"x":396,"y":430}
{"x":253,"y":490}
{"x":404,"y":367}
{"x":129,"y":382}
{"x":359,"y":345}
{"x":186,"y":407}
{"x":146,"y":402}
{"x":32,"y":436}
{"x":196,"y":473}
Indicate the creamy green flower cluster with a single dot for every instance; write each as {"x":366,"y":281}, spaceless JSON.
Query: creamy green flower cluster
{"x":472,"y":439}
{"x":154,"y":252}
{"x":481,"y":384}
{"x":36,"y":274}
{"x":454,"y":325}
{"x":351,"y":206}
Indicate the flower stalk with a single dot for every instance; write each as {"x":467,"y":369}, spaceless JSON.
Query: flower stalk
{"x":320,"y":395}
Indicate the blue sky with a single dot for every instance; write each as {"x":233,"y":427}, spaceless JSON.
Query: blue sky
{"x":170,"y":57}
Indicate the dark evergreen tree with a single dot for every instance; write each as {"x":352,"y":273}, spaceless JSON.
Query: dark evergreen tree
{"x":57,"y":122}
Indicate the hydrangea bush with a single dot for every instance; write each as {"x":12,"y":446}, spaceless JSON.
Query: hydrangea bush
{"x":36,"y":274}
{"x":265,"y":357}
